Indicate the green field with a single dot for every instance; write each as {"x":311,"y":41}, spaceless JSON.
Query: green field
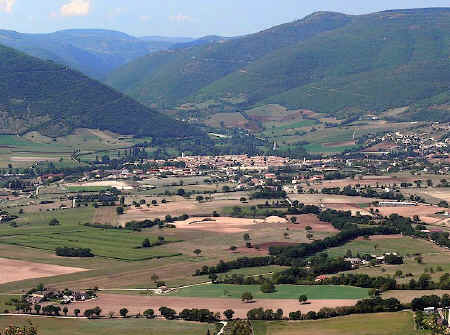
{"x":3,"y":300}
{"x":401,"y":323}
{"x":402,"y":246}
{"x":87,"y":188}
{"x":34,"y":232}
{"x":319,"y":148}
{"x":283,"y":292}
{"x":129,"y":326}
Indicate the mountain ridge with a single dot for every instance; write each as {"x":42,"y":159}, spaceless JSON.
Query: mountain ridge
{"x":359,"y":49}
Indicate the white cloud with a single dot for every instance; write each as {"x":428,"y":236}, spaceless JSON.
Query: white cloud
{"x":180,"y":18}
{"x":76,"y":8}
{"x":7,"y":5}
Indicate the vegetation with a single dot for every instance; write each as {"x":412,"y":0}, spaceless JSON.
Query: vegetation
{"x":318,"y":71}
{"x":282,"y":291}
{"x":55,"y":100}
{"x":130,"y":326}
{"x":366,"y":324}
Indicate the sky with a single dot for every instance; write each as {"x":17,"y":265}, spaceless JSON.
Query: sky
{"x":187,"y":18}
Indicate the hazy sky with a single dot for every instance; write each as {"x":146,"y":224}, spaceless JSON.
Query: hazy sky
{"x":179,"y":17}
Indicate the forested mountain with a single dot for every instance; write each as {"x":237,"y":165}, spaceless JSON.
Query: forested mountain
{"x":328,"y":62}
{"x":169,"y":77}
{"x":54,"y":100}
{"x":93,"y":52}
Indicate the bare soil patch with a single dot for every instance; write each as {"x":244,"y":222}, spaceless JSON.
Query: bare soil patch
{"x":410,"y":211}
{"x":138,"y":304}
{"x":12,"y":270}
{"x":121,"y":185}
{"x":218,"y":224}
{"x":313,"y":221}
{"x":106,"y":215}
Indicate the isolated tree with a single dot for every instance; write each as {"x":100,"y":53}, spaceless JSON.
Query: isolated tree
{"x":37,"y":308}
{"x":146,"y":243}
{"x":97,"y":311}
{"x":302,"y":299}
{"x":149,"y":313}
{"x":229,"y":314}
{"x":65,"y":310}
{"x":308,"y":228}
{"x":213,"y":277}
{"x":246,"y":237}
{"x":123,"y":312}
{"x":267,"y":287}
{"x":293,"y":220}
{"x":309,"y":236}
{"x":76,"y":312}
{"x":243,"y":199}
{"x":246,"y":297}
{"x":54,"y":222}
{"x":197,"y":252}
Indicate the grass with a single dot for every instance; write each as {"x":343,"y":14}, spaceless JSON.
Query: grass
{"x":400,"y":323}
{"x":3,"y":300}
{"x":319,"y":148}
{"x":87,"y":188}
{"x":118,"y":244}
{"x":34,"y":232}
{"x":129,"y":326}
{"x":283,"y":292}
{"x":402,"y":246}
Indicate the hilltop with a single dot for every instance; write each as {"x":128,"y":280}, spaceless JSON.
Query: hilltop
{"x":54,"y":100}
{"x":332,"y":63}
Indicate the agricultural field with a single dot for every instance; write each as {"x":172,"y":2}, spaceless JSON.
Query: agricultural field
{"x":400,"y":323}
{"x":138,"y":303}
{"x":381,"y":244}
{"x":33,"y":147}
{"x":322,"y":292}
{"x":33,"y":231}
{"x":131,"y":326}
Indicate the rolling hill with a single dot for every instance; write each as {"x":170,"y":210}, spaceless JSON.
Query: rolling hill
{"x":332,"y":63}
{"x":54,"y":100}
{"x":93,"y":52}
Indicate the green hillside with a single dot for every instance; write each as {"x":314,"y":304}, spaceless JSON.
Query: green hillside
{"x":54,"y":100}
{"x":330,"y":63}
{"x":169,"y":77}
